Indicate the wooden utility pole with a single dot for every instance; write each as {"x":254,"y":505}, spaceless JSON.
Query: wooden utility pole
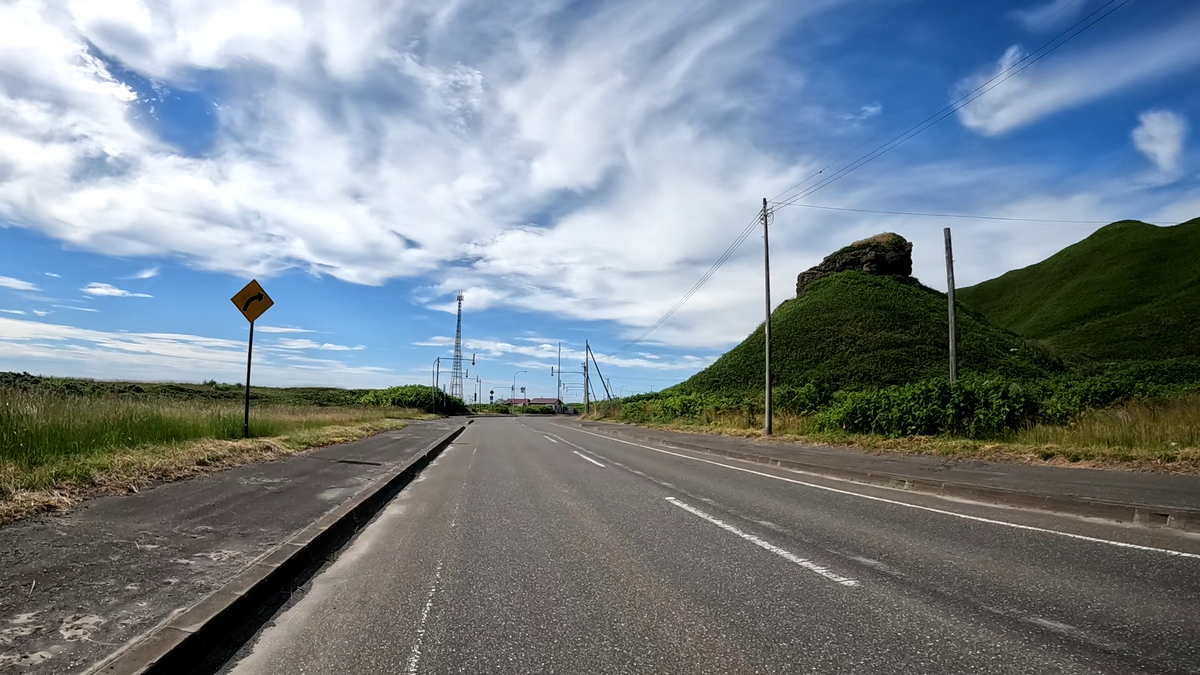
{"x":953,"y":314}
{"x":767,"y":326}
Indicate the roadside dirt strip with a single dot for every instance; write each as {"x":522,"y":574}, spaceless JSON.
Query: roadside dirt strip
{"x":1152,"y":500}
{"x":143,"y":583}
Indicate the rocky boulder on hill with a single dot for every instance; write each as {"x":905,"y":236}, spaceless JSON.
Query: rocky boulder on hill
{"x":886,"y":254}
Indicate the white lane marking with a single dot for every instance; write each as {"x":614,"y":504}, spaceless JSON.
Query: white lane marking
{"x":588,"y":458}
{"x":414,"y":657}
{"x":764,"y":544}
{"x":549,"y":439}
{"x":964,"y":516}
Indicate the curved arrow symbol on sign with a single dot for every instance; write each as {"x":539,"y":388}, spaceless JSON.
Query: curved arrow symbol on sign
{"x":256,"y":296}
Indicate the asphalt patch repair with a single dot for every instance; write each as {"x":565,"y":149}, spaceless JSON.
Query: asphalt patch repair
{"x":74,"y":588}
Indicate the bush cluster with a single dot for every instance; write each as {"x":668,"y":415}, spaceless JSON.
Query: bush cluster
{"x":976,"y":406}
{"x":416,"y":396}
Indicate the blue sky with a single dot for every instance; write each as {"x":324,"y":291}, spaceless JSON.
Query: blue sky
{"x":574,"y":167}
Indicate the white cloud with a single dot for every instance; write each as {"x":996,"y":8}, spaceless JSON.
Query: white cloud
{"x":77,"y":309}
{"x":1049,"y":14}
{"x":1159,"y":136}
{"x":108,"y":290}
{"x":492,"y":349}
{"x":281,"y":329}
{"x":148,"y":273}
{"x":1070,"y":79}
{"x":866,"y":112}
{"x":52,"y":274}
{"x":293,"y":343}
{"x":66,"y":350}
{"x":12,"y":311}
{"x":16,"y":284}
{"x":42,"y":312}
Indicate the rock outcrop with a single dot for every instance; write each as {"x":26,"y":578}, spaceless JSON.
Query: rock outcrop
{"x":884,"y":254}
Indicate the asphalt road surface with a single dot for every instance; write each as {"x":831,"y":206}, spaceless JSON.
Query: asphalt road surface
{"x":530,"y":546}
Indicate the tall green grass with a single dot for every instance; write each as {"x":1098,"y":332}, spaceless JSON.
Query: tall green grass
{"x":38,"y":428}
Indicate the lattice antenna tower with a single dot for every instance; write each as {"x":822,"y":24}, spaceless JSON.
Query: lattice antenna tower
{"x":456,"y":379}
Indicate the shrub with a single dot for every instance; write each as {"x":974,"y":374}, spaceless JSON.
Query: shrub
{"x":417,"y":396}
{"x":974,"y":407}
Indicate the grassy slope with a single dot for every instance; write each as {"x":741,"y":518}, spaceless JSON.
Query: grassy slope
{"x":1129,"y":291}
{"x":857,"y":330}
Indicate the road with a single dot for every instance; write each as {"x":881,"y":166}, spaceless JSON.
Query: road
{"x":530,"y":546}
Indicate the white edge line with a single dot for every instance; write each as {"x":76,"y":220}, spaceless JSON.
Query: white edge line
{"x":588,"y":458}
{"x":766,"y":545}
{"x":964,"y":516}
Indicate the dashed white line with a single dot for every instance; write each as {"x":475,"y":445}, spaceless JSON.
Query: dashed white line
{"x":764,"y":544}
{"x":549,"y":439}
{"x":588,"y":458}
{"x":414,"y":657}
{"x":964,"y":516}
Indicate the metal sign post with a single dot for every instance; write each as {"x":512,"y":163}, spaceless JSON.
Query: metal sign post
{"x":252,"y":301}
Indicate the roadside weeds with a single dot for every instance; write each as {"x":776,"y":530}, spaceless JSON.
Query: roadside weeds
{"x":58,"y":488}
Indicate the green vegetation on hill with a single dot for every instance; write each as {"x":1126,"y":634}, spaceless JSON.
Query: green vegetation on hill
{"x":853,"y":331}
{"x":1127,"y":292}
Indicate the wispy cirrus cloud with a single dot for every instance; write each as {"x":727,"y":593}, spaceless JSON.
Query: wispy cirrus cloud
{"x":282,"y":329}
{"x":301,"y":343}
{"x":110,"y":291}
{"x":17,"y":284}
{"x":12,"y":311}
{"x":1077,"y":77}
{"x":59,"y":349}
{"x":146,"y":273}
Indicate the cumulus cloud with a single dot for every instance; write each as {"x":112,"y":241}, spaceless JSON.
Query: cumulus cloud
{"x":1077,"y":77}
{"x":17,"y":284}
{"x":1159,"y":136}
{"x":108,"y":290}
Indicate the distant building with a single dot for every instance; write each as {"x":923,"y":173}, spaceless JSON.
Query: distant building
{"x":519,"y":401}
{"x":551,"y":402}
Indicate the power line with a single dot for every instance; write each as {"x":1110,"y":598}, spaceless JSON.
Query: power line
{"x":963,"y":215}
{"x":697,"y":286}
{"x":966,"y":99}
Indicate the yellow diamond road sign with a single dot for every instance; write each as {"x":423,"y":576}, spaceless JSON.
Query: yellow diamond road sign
{"x":252,"y":301}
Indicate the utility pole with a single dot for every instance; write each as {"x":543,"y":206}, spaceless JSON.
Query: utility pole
{"x":586,"y":384}
{"x":953,"y":314}
{"x":767,"y":326}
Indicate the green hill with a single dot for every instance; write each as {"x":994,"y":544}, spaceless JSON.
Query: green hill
{"x":857,"y":330}
{"x":1130,"y":291}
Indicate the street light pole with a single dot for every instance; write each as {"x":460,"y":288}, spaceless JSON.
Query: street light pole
{"x":513,"y":391}
{"x":437,"y":371}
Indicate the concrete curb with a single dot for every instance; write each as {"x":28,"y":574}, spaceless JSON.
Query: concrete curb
{"x":204,"y":635}
{"x":1140,"y":514}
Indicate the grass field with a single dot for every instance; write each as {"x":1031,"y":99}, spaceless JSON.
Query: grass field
{"x":56,"y":449}
{"x":1139,"y":435}
{"x":854,"y":330}
{"x":1125,"y":292}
